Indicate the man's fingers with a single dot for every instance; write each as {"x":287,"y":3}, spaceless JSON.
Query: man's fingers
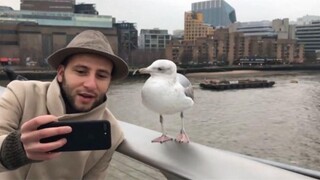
{"x":31,"y":136}
{"x":34,"y":123}
{"x":44,"y":133}
{"x":41,"y":148}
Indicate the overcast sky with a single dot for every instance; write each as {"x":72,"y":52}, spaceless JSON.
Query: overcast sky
{"x":169,"y":14}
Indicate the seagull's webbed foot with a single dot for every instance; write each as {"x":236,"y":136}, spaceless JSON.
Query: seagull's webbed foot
{"x":162,"y":139}
{"x":182,"y":137}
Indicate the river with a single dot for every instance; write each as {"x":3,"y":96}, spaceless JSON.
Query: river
{"x":281,"y":123}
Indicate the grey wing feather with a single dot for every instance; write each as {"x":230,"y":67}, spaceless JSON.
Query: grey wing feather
{"x":188,"y":89}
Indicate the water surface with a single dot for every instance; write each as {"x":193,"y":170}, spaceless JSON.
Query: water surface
{"x":281,"y":123}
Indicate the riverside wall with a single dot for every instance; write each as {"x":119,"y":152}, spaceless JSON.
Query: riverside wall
{"x":41,"y":74}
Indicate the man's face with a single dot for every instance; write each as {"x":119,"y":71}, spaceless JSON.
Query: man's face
{"x":85,"y":80}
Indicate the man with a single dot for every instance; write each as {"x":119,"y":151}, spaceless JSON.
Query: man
{"x":85,"y":69}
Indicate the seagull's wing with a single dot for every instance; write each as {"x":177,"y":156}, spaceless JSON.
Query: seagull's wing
{"x":188,"y":89}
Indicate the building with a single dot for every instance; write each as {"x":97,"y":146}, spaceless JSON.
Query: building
{"x":242,"y":43}
{"x":215,"y":12}
{"x":211,"y":50}
{"x":152,"y":45}
{"x":48,"y":5}
{"x":260,"y":28}
{"x":178,"y":34}
{"x":194,"y":27}
{"x":154,"y":38}
{"x":260,"y":50}
{"x":308,"y":19}
{"x":5,"y":8}
{"x":58,"y":18}
{"x":318,"y":55}
{"x":34,"y":35}
{"x":273,"y":40}
{"x":279,"y":28}
{"x":128,"y":40}
{"x":85,"y":9}
{"x":309,"y":36}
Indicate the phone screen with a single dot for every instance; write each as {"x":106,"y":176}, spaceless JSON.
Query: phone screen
{"x":85,"y":135}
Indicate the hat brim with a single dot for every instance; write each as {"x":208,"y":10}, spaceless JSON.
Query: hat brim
{"x":120,"y":68}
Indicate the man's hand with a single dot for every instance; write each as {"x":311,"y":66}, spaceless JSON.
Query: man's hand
{"x":30,"y":138}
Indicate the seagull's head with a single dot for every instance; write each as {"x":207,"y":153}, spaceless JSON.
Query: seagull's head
{"x":162,"y":67}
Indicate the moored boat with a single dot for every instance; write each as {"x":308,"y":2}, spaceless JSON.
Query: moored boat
{"x":235,"y":84}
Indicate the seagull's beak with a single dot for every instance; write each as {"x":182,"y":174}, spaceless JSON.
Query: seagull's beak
{"x":144,"y":71}
{"x":135,"y":72}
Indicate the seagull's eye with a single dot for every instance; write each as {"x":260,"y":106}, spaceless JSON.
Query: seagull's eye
{"x":160,"y":69}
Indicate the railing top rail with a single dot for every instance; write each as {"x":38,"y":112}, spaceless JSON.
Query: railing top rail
{"x":194,"y":161}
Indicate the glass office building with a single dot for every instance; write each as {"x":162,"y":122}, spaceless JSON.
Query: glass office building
{"x":58,"y":18}
{"x":215,"y":12}
{"x":48,"y":5}
{"x":309,"y":35}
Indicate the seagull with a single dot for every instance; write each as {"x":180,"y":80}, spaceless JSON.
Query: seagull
{"x":167,"y":92}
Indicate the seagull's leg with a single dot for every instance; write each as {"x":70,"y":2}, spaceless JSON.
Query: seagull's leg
{"x":163,"y":137}
{"x":182,"y":136}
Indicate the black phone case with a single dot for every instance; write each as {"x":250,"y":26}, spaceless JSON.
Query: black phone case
{"x":85,"y":135}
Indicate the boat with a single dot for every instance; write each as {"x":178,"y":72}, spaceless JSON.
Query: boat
{"x":196,"y":161}
{"x":219,"y":85}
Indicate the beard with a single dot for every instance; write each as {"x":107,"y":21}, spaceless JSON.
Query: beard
{"x":70,"y":99}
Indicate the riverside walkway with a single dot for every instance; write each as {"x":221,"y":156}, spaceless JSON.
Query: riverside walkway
{"x":123,"y":167}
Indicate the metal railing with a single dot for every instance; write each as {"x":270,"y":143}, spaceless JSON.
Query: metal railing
{"x":196,"y":161}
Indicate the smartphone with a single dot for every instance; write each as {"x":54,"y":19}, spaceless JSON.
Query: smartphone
{"x":85,"y":135}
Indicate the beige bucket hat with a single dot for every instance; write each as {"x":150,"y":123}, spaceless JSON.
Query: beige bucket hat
{"x":93,"y":42}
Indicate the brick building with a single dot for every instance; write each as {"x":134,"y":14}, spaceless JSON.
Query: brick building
{"x":246,"y":43}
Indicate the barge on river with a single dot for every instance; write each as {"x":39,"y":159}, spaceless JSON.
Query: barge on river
{"x":219,"y":85}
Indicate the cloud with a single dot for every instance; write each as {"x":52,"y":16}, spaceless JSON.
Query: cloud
{"x":169,"y":14}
